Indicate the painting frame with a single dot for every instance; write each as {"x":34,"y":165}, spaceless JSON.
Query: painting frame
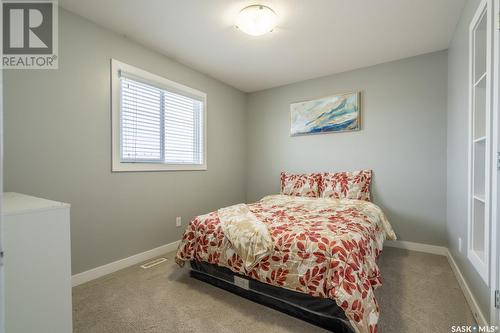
{"x":358,"y":100}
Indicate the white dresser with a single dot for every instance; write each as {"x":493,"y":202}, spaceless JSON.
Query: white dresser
{"x":37,"y":265}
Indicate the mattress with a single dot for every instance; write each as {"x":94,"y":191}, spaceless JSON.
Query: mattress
{"x":325,"y":248}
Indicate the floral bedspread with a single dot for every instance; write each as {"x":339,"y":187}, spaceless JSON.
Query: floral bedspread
{"x":323,"y":247}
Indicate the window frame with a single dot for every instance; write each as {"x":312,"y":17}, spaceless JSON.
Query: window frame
{"x":148,"y":78}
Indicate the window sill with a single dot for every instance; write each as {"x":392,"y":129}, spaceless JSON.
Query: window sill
{"x":147,"y":167}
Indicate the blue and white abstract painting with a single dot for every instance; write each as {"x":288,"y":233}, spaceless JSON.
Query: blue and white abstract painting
{"x":336,"y":113}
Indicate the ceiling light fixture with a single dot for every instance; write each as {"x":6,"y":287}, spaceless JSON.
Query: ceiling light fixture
{"x":256,"y":20}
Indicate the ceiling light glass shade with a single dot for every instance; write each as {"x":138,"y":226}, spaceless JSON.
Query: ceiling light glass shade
{"x":256,"y":20}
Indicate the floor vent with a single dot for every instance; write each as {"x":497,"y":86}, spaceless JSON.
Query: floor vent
{"x":152,"y":263}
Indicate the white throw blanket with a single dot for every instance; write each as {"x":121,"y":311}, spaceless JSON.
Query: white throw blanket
{"x":249,"y":236}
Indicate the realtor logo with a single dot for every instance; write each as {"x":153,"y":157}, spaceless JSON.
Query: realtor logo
{"x":29,"y":34}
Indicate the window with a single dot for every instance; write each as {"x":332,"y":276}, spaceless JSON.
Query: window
{"x":157,"y":124}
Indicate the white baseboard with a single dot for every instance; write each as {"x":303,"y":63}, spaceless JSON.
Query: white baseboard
{"x":469,"y":296}
{"x":443,"y":251}
{"x":97,"y":272}
{"x":419,"y":247}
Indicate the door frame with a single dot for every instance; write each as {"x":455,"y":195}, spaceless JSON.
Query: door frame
{"x":495,"y":180}
{"x":2,"y":281}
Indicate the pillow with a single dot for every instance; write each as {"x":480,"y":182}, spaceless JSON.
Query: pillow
{"x":302,"y":185}
{"x":347,"y":185}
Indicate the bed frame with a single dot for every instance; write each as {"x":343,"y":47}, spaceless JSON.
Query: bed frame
{"x":322,"y":312}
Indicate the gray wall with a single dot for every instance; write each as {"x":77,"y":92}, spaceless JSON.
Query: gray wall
{"x":403,"y":139}
{"x":57,"y":145}
{"x":458,"y":94}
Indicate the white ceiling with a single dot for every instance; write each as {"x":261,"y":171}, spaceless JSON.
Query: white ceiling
{"x":313,"y":38}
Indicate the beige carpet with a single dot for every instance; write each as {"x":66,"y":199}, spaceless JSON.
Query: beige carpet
{"x":420,"y":294}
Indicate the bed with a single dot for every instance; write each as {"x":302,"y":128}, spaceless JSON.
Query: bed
{"x":321,"y":265}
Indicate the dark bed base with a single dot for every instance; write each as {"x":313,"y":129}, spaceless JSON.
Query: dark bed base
{"x":322,"y":312}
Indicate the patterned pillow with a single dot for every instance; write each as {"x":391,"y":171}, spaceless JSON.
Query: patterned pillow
{"x":302,"y":185}
{"x":348,"y":185}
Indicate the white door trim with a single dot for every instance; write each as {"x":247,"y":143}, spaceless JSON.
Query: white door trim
{"x":2,"y":287}
{"x":495,"y":180}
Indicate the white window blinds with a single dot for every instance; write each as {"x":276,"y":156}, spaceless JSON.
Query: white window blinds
{"x":159,"y":126}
